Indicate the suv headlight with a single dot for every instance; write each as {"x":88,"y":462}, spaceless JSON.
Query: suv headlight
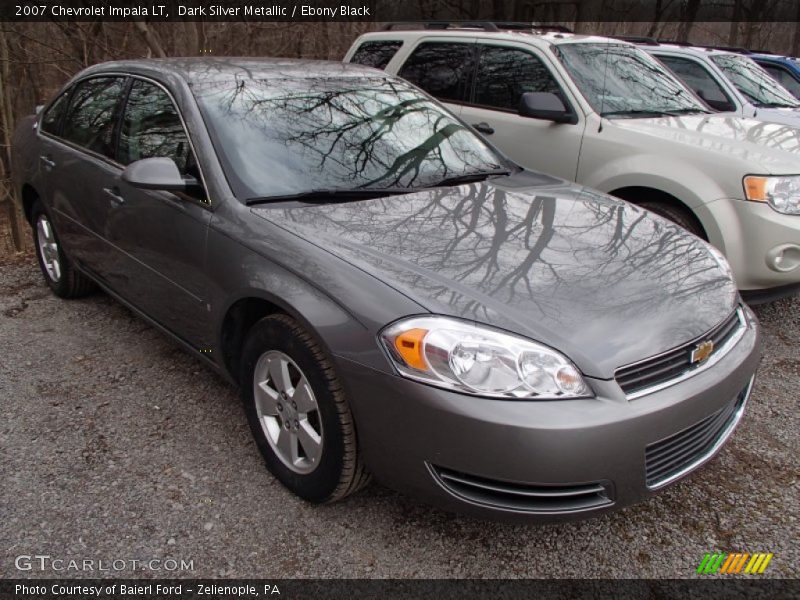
{"x":472,"y":359}
{"x":781,"y":193}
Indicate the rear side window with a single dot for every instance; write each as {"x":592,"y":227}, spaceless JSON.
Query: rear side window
{"x":504,"y":74}
{"x":51,"y":120}
{"x":92,"y":112}
{"x":376,"y":54}
{"x":696,"y":77}
{"x":783,"y":77}
{"x":441,"y":69}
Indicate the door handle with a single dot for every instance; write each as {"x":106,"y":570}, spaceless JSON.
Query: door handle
{"x":113,"y":193}
{"x":47,"y":161}
{"x":483,"y":127}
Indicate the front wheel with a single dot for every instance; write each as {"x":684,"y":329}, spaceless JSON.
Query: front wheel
{"x":58,"y":271}
{"x":298,"y":412}
{"x":678,"y":215}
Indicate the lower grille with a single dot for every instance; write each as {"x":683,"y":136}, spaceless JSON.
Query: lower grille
{"x":669,"y":459}
{"x":524,"y":497}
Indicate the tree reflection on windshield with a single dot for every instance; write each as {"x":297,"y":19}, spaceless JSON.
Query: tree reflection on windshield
{"x":619,"y":79}
{"x":284,"y":135}
{"x":754,"y":82}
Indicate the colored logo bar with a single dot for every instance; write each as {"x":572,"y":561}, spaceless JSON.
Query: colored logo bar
{"x":735,"y":562}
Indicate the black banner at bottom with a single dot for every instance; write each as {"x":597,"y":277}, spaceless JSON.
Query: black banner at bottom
{"x":319,"y":589}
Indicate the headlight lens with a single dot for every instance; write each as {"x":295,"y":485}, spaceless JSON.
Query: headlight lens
{"x":781,"y":193}
{"x":461,"y":356}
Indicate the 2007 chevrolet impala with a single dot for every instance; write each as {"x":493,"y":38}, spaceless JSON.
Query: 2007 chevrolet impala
{"x":393,"y":295}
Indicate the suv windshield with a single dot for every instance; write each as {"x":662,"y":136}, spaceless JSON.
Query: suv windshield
{"x":755,"y":83}
{"x":620,"y":80}
{"x":283,"y":137}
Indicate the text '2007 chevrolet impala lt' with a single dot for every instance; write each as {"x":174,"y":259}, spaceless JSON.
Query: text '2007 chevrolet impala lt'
{"x":393,"y":296}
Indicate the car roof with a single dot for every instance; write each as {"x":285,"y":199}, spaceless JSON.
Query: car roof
{"x":692,"y":50}
{"x":195,"y":69}
{"x":541,"y":39}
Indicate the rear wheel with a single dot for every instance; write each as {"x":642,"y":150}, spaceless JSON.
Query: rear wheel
{"x":298,"y":412}
{"x":676,"y":214}
{"x":58,"y":271}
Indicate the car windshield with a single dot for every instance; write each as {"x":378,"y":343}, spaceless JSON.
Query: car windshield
{"x":755,"y":83}
{"x":621,"y":81}
{"x":324,"y":136}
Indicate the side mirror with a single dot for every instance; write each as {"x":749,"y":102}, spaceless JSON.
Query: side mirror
{"x":39,"y":108}
{"x":157,"y":173}
{"x":546,"y":106}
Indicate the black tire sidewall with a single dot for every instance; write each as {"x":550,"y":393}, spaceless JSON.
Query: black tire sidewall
{"x":282,"y":334}
{"x":676,"y":215}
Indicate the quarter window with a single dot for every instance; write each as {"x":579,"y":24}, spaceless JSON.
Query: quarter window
{"x":441,"y":69}
{"x":376,"y":54}
{"x":51,"y":120}
{"x":504,"y":74}
{"x":90,"y":121}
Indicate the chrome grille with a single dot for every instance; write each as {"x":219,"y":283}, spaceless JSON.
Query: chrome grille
{"x":668,"y":459}
{"x":532,"y":498}
{"x":665,"y":369}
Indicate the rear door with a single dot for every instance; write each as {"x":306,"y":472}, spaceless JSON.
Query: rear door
{"x":503,"y":73}
{"x":162,"y":234}
{"x":443,"y":68}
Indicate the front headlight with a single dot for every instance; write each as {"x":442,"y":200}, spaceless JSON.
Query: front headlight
{"x":476,"y":360}
{"x":781,"y":193}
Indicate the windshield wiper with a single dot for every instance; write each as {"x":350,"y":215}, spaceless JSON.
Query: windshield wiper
{"x":470,"y":177}
{"x":635,"y":113}
{"x":687,"y":111}
{"x":333,"y":194}
{"x":776,"y":105}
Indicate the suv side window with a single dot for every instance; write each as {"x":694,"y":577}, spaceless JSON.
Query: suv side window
{"x":376,"y":54}
{"x":151,"y":126}
{"x":91,"y":117}
{"x":442,"y":69}
{"x":504,"y":74}
{"x":696,"y":77}
{"x":51,"y":120}
{"x":784,"y":77}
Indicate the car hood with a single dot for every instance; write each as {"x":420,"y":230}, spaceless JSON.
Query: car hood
{"x":601,"y":280}
{"x":774,"y":146}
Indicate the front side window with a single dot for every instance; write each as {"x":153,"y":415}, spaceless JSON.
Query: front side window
{"x":622,"y":81}
{"x":504,"y":74}
{"x":753,"y":81}
{"x":51,"y":120}
{"x":92,"y":112}
{"x":376,"y":54}
{"x":441,"y":69}
{"x":784,"y":77}
{"x":281,"y":137}
{"x":694,"y":75}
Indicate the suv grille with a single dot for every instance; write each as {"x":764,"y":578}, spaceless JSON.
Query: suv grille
{"x":665,"y":369}
{"x":668,"y":459}
{"x":524,"y":497}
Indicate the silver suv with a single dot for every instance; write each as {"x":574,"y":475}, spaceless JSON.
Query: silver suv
{"x":606,"y":114}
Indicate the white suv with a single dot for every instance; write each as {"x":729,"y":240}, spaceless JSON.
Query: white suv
{"x":606,"y":114}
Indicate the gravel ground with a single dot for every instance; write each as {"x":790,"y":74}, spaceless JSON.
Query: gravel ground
{"x":118,"y":445}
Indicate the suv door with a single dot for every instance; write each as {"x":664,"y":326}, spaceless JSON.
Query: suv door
{"x":503,"y":73}
{"x":79,"y":154}
{"x":163,"y":234}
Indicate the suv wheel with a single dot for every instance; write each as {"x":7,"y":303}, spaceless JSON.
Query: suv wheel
{"x":298,"y":412}
{"x":58,"y":271}
{"x":676,"y":214}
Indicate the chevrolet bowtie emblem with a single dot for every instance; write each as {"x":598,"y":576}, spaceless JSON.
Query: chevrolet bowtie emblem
{"x":702,"y":351}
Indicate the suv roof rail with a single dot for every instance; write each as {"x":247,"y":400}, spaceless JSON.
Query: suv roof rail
{"x":673,"y":42}
{"x":762,"y":51}
{"x":485,"y":25}
{"x":636,"y":39}
{"x":736,"y":49}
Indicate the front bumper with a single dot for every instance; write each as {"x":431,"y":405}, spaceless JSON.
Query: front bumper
{"x":761,"y":244}
{"x":549,"y":460}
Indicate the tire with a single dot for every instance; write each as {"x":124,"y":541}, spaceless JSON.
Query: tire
{"x":58,"y":271}
{"x":676,"y":214}
{"x":319,"y":470}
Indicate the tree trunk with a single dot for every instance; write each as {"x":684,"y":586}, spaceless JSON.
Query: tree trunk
{"x":150,"y":39}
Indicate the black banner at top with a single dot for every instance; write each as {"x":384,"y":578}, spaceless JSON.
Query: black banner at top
{"x":527,"y":11}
